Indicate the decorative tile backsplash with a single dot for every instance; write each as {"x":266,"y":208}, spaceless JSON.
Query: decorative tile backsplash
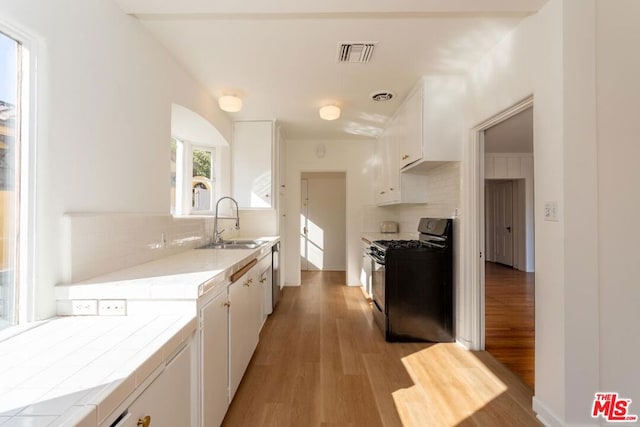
{"x":96,"y":244}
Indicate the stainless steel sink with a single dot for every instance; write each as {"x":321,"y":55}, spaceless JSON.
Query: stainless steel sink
{"x":235,"y":244}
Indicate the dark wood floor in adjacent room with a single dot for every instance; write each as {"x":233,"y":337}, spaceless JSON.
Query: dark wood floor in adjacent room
{"x":509,"y":318}
{"x":322,"y":362}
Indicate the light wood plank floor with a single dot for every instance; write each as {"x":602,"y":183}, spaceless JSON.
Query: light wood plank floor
{"x":509,"y":318}
{"x":321,"y":361}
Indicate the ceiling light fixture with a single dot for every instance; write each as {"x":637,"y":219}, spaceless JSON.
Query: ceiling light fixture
{"x":230,"y":103}
{"x":329,"y":112}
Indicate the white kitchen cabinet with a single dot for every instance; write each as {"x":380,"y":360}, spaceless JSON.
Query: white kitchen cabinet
{"x":385,"y":176}
{"x":214,"y":342}
{"x":365,"y":271}
{"x":244,"y":297}
{"x":167,"y":400}
{"x":391,"y":185}
{"x":265,"y":284}
{"x":252,"y":164}
{"x":432,"y":123}
{"x":408,"y":121}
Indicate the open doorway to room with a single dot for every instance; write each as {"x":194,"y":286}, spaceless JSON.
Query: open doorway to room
{"x":323,"y":222}
{"x":509,"y":281}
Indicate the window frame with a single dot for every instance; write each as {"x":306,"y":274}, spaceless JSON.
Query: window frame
{"x":184,"y":169}
{"x":24,"y":310}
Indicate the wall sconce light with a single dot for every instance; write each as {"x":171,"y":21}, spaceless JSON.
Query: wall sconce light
{"x":329,"y":112}
{"x":230,"y":103}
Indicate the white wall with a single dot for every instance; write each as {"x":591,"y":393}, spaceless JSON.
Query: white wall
{"x":618,"y":127}
{"x":105,"y":90}
{"x":353,"y":157}
{"x":551,"y":55}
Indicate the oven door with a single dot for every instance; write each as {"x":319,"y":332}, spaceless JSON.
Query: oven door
{"x":377,"y":282}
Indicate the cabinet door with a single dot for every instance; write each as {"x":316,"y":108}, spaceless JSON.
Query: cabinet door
{"x":266,"y":284}
{"x":410,"y":129}
{"x":243,"y":326}
{"x":380,"y":175}
{"x":214,"y":335}
{"x":167,"y":400}
{"x":252,"y":158}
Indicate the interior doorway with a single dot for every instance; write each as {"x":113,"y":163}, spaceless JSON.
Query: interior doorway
{"x":323,"y":221}
{"x":508,"y":276}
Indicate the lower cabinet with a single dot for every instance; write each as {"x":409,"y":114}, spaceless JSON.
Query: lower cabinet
{"x":243,"y":326}
{"x":229,"y":330}
{"x":167,"y":400}
{"x":214,"y":340}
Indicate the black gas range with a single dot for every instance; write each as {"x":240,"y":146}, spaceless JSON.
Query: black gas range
{"x":412,"y":284}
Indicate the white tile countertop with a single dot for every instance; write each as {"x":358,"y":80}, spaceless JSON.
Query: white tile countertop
{"x":185,"y":276}
{"x":77,"y":370}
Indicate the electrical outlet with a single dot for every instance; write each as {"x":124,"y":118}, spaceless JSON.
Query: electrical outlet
{"x":112,"y":307}
{"x":84,"y":307}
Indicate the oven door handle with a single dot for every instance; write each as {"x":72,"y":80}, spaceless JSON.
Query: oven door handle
{"x":375,"y":258}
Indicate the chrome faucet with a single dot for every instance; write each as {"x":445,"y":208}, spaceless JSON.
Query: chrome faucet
{"x":217,"y":234}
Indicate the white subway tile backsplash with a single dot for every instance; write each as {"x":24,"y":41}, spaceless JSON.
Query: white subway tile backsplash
{"x":100,"y":243}
{"x":443,"y":198}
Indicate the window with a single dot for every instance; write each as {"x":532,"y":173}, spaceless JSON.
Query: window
{"x":193,"y":178}
{"x":10,"y":138}
{"x":202,"y":179}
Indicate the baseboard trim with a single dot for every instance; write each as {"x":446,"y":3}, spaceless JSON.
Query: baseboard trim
{"x":544,"y":415}
{"x":549,"y":419}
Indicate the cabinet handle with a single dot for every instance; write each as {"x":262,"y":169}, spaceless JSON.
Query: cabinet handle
{"x":248,"y":282}
{"x":227,"y":304}
{"x":144,"y":422}
{"x":391,"y":189}
{"x":266,"y":195}
{"x":263,"y":279}
{"x":382,"y":192}
{"x":405,"y":157}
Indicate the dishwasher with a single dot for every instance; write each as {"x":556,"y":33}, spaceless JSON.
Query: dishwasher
{"x":275,"y":277}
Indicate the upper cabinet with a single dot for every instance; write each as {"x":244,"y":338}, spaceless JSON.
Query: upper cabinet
{"x":432,"y":123}
{"x":253,"y":145}
{"x":408,"y":124}
{"x":426,"y":130}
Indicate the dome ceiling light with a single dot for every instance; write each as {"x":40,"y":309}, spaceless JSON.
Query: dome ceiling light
{"x":329,"y":112}
{"x":230,"y":103}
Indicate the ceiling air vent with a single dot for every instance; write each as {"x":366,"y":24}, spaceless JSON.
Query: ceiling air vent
{"x":382,"y":96}
{"x":355,"y":52}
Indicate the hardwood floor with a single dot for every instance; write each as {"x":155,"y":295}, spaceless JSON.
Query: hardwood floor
{"x":322,"y":361}
{"x":509,"y":318}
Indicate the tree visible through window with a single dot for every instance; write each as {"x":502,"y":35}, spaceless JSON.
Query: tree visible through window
{"x":202,"y":179}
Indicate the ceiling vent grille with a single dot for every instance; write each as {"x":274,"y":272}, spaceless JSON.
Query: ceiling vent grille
{"x":355,"y":52}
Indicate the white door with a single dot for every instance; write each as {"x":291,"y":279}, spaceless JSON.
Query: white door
{"x":324,"y":214}
{"x":504,"y":223}
{"x":304,"y":225}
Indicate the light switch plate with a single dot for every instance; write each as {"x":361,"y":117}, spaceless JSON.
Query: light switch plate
{"x":551,"y":211}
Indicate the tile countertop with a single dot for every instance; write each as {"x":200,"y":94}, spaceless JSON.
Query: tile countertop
{"x":77,"y":370}
{"x":370,"y":236}
{"x":184,"y":276}
{"x":71,"y":371}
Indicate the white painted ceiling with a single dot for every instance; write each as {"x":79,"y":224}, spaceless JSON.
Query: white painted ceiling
{"x":280,"y":55}
{"x":514,"y":135}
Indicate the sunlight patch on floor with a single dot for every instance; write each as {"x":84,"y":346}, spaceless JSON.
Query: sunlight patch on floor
{"x":449,"y":386}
